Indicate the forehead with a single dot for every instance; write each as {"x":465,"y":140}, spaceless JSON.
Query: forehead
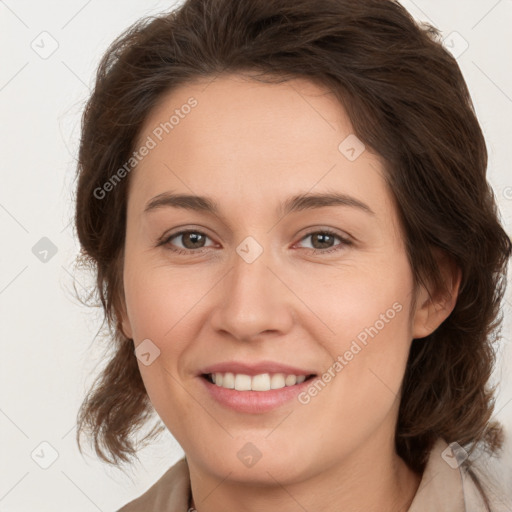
{"x":268,"y":121}
{"x":258,"y":139}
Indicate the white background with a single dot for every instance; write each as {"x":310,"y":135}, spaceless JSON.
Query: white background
{"x":49,"y":354}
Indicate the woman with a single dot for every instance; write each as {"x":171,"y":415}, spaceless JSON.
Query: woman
{"x":299,"y":257}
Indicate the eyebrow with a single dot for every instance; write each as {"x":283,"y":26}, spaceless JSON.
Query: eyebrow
{"x":293,"y":204}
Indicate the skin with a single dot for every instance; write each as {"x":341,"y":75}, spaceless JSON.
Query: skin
{"x":249,"y":146}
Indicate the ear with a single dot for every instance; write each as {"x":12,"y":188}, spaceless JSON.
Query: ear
{"x":123,"y":322}
{"x":433,"y":308}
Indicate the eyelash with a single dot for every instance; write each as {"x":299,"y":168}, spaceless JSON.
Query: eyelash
{"x":166,"y":242}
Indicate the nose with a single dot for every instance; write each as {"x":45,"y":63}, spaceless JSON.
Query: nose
{"x":253,"y":299}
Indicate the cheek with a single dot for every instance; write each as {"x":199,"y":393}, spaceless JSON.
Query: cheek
{"x":369,"y":314}
{"x":159,"y":298}
{"x":370,"y":357}
{"x":160,"y":305}
{"x":361,"y":301}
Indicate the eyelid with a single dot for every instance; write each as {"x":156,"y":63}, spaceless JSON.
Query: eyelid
{"x":331,"y":231}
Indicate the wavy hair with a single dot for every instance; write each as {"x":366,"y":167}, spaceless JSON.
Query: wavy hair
{"x":408,"y":102}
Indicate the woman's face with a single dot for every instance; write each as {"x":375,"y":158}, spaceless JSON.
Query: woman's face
{"x":257,"y":287}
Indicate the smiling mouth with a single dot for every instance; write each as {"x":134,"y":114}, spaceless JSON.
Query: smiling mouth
{"x":261,"y":382}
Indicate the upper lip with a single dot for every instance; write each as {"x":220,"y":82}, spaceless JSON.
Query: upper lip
{"x":254,"y":368}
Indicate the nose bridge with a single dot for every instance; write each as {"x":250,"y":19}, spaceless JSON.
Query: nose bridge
{"x":251,"y":274}
{"x":253,"y":298}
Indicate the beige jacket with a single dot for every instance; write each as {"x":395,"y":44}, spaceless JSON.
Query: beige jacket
{"x":445,"y":487}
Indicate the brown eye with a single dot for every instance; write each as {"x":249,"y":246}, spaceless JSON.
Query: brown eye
{"x":324,"y":241}
{"x":193,"y":239}
{"x":190,"y":241}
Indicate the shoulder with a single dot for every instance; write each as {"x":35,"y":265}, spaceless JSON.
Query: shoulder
{"x":491,"y":476}
{"x":169,"y":494}
{"x":452,"y":481}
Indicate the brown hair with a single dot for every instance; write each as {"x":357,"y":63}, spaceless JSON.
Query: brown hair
{"x":408,"y":102}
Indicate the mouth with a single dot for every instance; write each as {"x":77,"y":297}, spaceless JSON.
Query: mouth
{"x":254,"y":386}
{"x":255,"y":394}
{"x":263,"y":382}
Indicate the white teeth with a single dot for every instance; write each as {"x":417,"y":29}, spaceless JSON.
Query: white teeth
{"x":261,"y":382}
{"x":290,"y":380}
{"x":227,"y":381}
{"x":242,"y":382}
{"x":278,"y":381}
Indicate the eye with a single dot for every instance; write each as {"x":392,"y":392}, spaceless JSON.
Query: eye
{"x":192,"y":241}
{"x":322,"y":241}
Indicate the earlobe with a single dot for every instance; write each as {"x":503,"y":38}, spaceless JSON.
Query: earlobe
{"x":126,"y":327}
{"x":123,"y":320}
{"x":434,"y":308}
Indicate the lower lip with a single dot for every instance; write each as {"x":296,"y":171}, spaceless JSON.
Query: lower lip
{"x":254,"y":402}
